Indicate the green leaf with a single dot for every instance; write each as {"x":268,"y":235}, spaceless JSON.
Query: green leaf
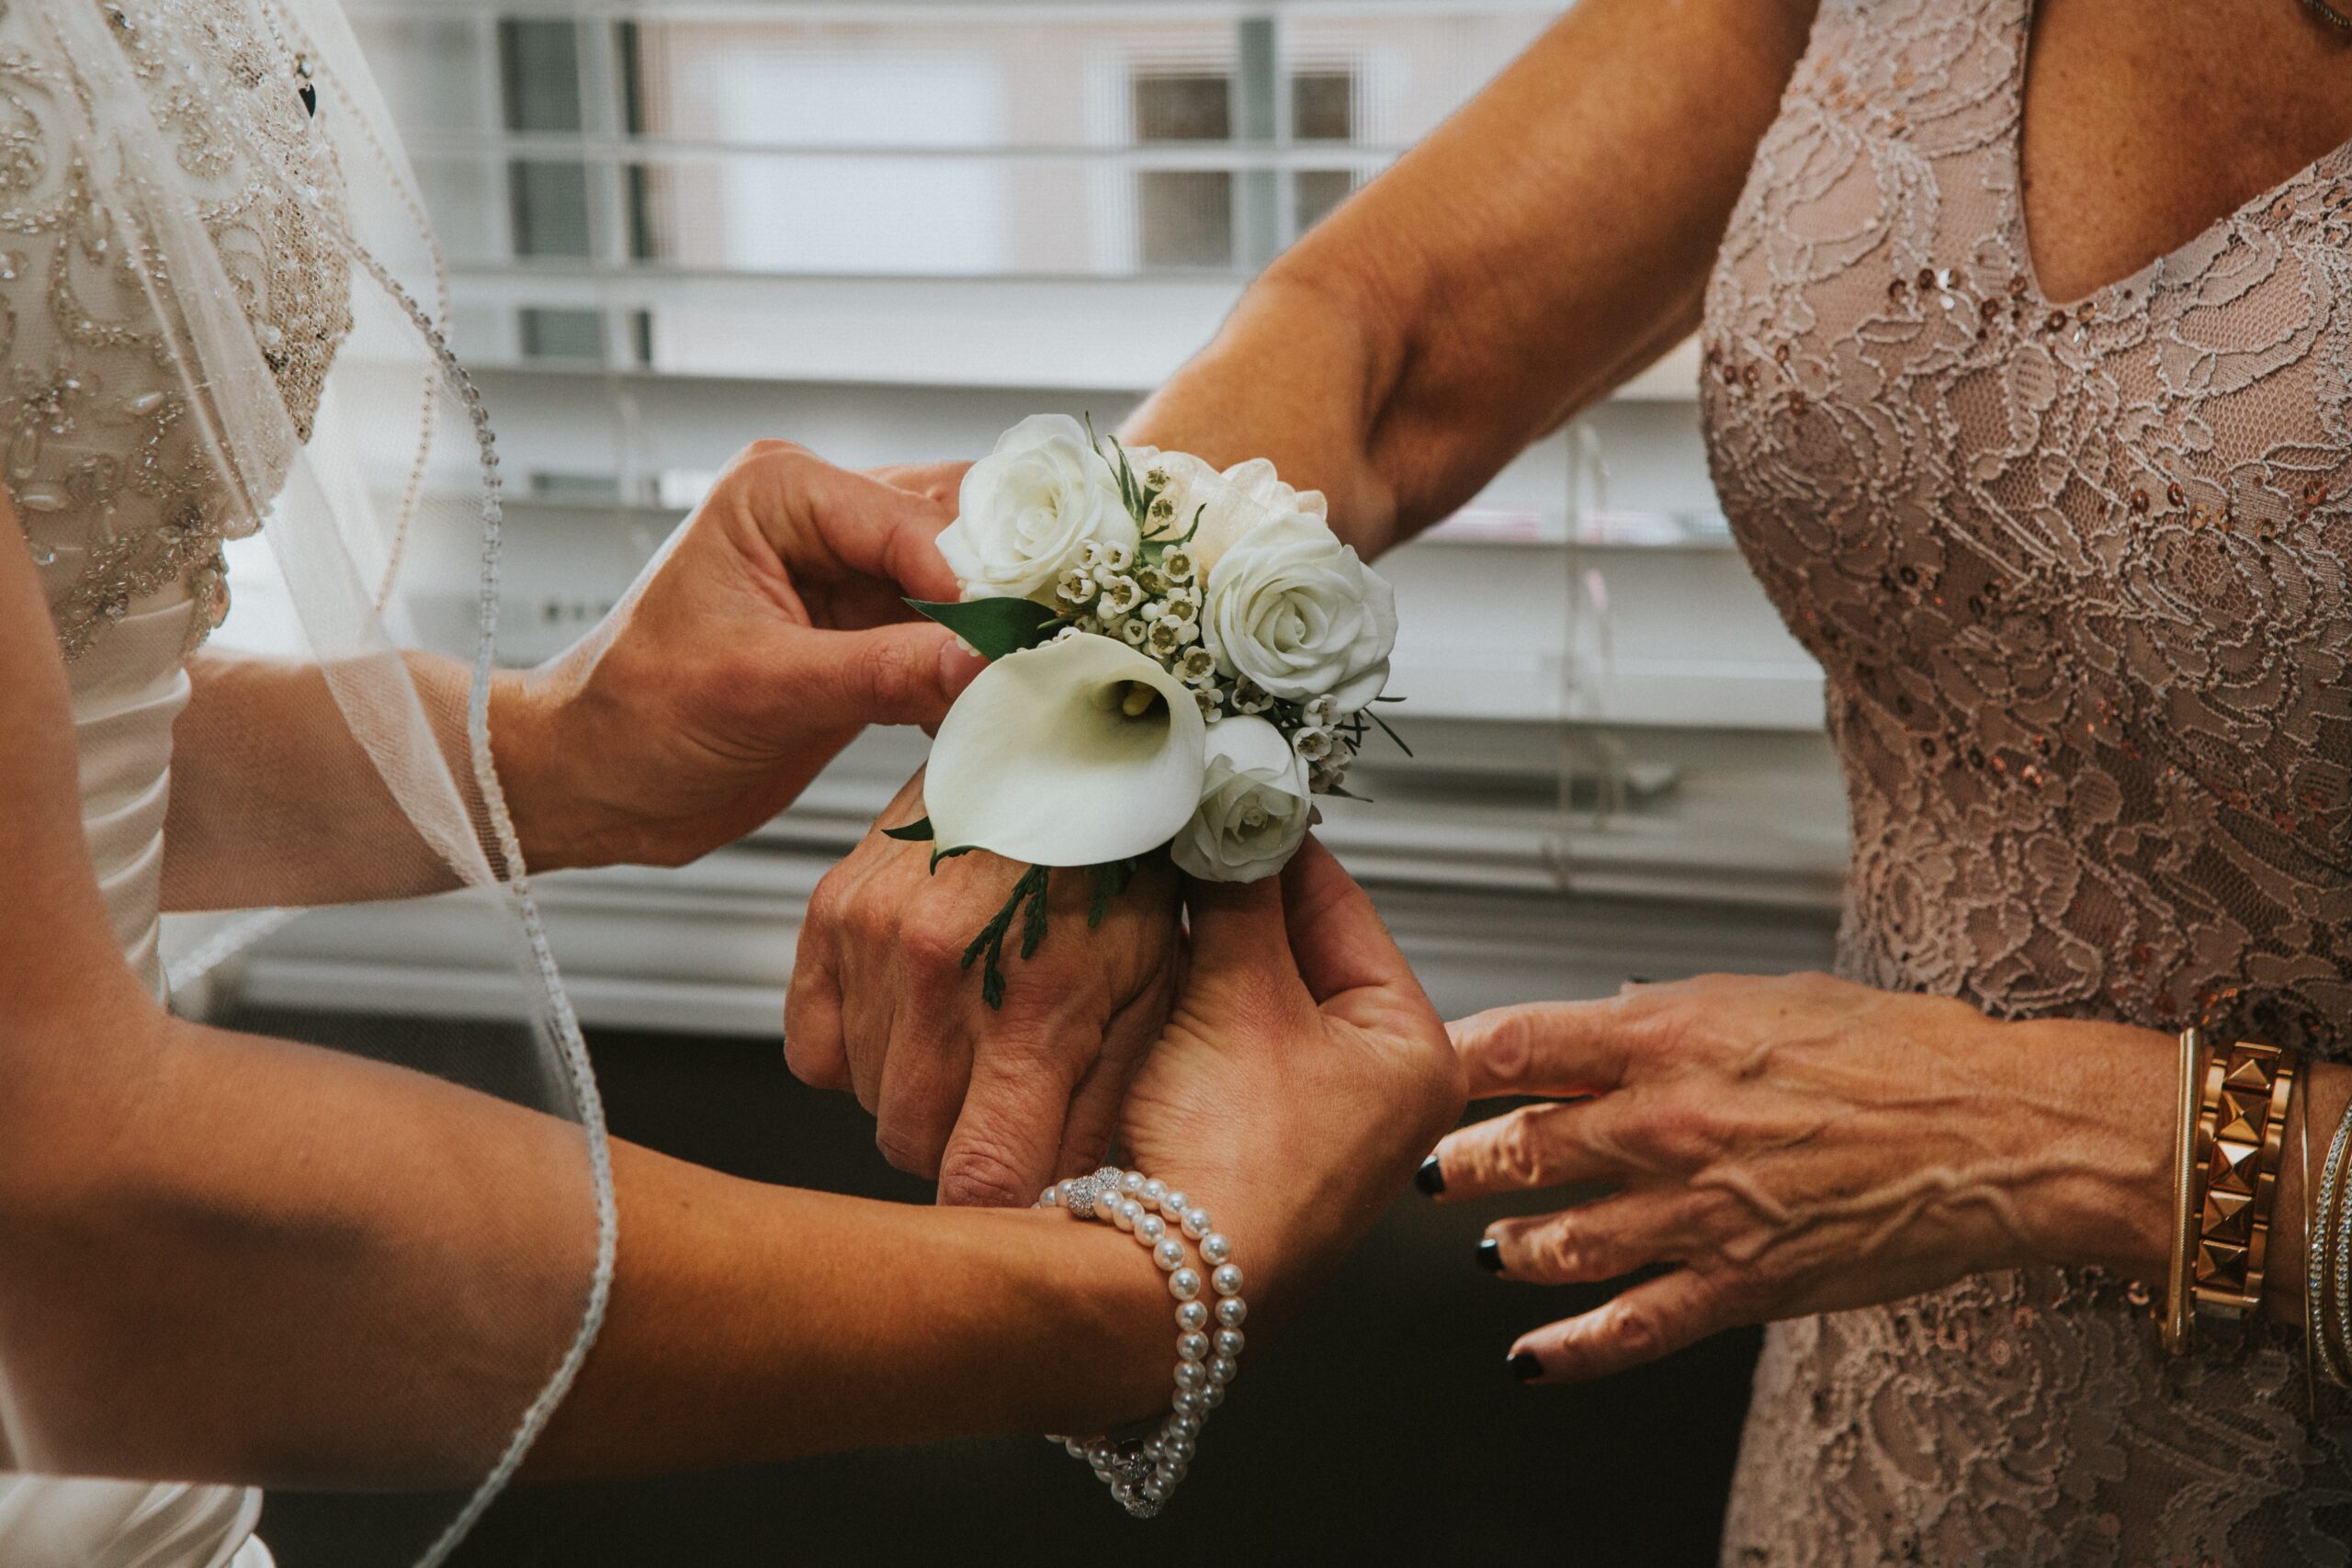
{"x":1111,"y":879}
{"x":989,"y":945}
{"x":1130,"y":487}
{"x":915,"y":832}
{"x":994,"y":627}
{"x":939,"y":855}
{"x":1033,"y":928}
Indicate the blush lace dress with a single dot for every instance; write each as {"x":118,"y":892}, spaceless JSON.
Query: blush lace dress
{"x":2077,"y":572}
{"x":126,"y":521}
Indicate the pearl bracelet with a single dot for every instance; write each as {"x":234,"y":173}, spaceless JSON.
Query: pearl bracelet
{"x":1142,"y":1472}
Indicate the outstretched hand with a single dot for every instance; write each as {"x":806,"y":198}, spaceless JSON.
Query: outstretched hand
{"x":1797,"y":1144}
{"x":762,"y":637}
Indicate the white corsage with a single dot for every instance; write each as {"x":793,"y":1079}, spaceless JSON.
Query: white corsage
{"x":1180,"y":659}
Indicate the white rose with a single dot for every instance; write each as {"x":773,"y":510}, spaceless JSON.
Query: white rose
{"x":1294,"y":610}
{"x":1030,"y":508}
{"x":1254,"y":805}
{"x":1229,"y":504}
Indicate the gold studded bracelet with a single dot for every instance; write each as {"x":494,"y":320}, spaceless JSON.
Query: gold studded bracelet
{"x":2242,"y":1136}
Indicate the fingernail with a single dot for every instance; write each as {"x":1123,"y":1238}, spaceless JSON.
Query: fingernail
{"x":1490,"y":1256}
{"x":959,"y":664}
{"x":1431,"y":1177}
{"x":1526,"y":1367}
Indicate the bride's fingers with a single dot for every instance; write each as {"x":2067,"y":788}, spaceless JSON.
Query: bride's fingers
{"x":1605,"y":1239}
{"x":1553,"y":1143}
{"x":1655,"y":1318}
{"x":1556,"y":1048}
{"x":1236,"y":929}
{"x":1333,"y":932}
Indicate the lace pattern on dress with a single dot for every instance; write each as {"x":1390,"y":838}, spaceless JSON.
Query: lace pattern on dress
{"x":116,"y":498}
{"x":2077,"y":575}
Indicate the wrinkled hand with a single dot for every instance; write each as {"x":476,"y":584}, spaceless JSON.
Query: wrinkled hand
{"x":765,"y":634}
{"x":1300,"y":1079}
{"x":1800,"y":1145}
{"x":994,"y":1103}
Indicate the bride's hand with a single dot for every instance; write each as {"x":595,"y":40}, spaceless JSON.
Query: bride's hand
{"x":1301,"y":1077}
{"x":1798,"y":1143}
{"x":765,"y":634}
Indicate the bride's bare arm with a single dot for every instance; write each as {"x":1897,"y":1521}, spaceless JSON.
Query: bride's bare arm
{"x":224,"y":1257}
{"x":1542,"y":246}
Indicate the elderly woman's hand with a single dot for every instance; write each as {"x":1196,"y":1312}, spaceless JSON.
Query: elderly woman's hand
{"x":1797,"y":1145}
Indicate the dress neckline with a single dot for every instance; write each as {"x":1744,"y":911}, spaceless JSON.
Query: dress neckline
{"x":2134,"y":283}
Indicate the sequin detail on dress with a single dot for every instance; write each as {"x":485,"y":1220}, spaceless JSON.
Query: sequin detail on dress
{"x":120,"y":503}
{"x":2077,"y":575}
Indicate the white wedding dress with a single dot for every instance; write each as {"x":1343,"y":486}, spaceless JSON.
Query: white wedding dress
{"x":102,"y":466}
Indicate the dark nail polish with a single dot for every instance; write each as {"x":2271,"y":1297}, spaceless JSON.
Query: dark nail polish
{"x":1526,"y":1367}
{"x":1639,"y":980}
{"x":1490,"y":1256}
{"x":1431,"y":1177}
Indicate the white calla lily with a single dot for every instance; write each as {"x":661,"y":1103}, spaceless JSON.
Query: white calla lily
{"x":1057,"y":756}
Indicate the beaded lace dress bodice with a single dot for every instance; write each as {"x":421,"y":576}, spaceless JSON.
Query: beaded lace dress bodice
{"x":103,"y":459}
{"x":125,"y":517}
{"x":2077,"y":576}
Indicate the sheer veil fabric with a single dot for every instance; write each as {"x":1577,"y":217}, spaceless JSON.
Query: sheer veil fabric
{"x":228,"y":385}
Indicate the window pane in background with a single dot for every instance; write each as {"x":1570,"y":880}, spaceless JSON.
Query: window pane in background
{"x":541,"y":72}
{"x":553,"y":334}
{"x":1317,"y":192}
{"x":1185,"y":218}
{"x":1191,"y":107}
{"x":549,"y":203}
{"x":1323,"y":106}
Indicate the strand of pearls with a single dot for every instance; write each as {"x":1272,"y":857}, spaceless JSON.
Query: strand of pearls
{"x":1142,"y":1471}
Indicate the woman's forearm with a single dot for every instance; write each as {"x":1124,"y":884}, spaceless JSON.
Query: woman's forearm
{"x":227,"y":1257}
{"x":1537,"y":250}
{"x":753,"y":1322}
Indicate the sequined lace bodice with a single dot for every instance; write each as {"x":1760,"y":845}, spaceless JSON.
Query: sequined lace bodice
{"x":117,"y":498}
{"x":2076,"y":574}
